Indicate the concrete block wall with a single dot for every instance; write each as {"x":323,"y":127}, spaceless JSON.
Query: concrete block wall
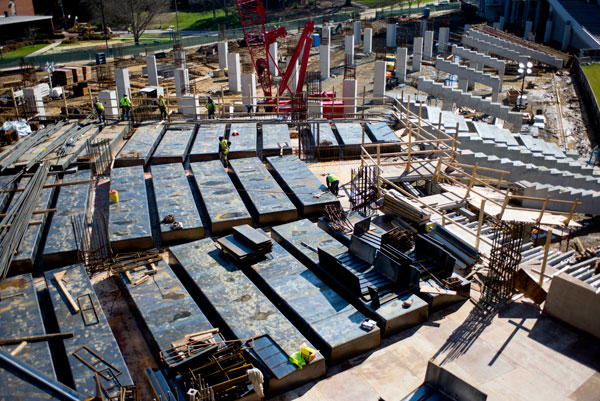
{"x":465,"y":99}
{"x":530,"y":53}
{"x":470,"y":74}
{"x":481,"y":59}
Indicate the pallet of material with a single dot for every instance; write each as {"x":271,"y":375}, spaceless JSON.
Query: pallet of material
{"x":21,"y":316}
{"x":63,"y":77}
{"x":77,"y":73}
{"x":407,"y":209}
{"x":77,"y":309}
{"x":87,"y":72}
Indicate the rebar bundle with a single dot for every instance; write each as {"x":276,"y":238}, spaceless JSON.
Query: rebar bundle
{"x":16,"y":221}
{"x":505,"y":257}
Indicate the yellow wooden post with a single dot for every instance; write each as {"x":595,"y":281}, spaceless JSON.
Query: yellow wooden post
{"x":437,"y":171}
{"x":539,"y":219}
{"x":408,"y":159}
{"x":503,"y":206}
{"x":471,"y":181}
{"x":363,"y":102}
{"x":407,"y":109}
{"x":12,"y":94}
{"x":419,"y":128}
{"x":568,"y":219}
{"x":378,"y":170}
{"x":480,"y":223}
{"x":65,"y":103}
{"x":545,"y":260}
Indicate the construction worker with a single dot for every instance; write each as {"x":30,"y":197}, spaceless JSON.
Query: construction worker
{"x":125,"y":104}
{"x":333,"y":184}
{"x":161,"y":106}
{"x":224,"y":145}
{"x":99,"y":109}
{"x":211,"y":107}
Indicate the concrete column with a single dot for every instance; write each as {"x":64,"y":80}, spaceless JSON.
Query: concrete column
{"x":152,"y":73}
{"x":501,"y":23}
{"x":417,"y":53}
{"x":249,"y":89}
{"x":548,"y":32}
{"x":315,"y":109}
{"x":401,"y":57}
{"x":390,"y":35}
{"x":325,"y":59}
{"x":379,"y":82}
{"x":528,"y":25}
{"x":34,"y":103}
{"x":122,"y":82}
{"x":349,"y":93}
{"x":368,"y":41}
{"x":223,"y":52}
{"x":179,"y":56}
{"x":349,"y":45}
{"x":182,"y":82}
{"x":189,"y":106}
{"x":463,"y":85}
{"x":293,"y":82}
{"x":356,"y":31}
{"x":443,"y":37}
{"x":235,"y":71}
{"x":566,"y":40}
{"x":428,"y":45}
{"x":273,"y":64}
{"x":108,"y":99}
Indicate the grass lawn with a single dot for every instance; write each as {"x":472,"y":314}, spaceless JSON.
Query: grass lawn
{"x":592,"y":72}
{"x":22,"y":52}
{"x":189,"y":20}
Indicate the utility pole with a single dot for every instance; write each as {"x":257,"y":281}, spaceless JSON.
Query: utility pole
{"x":104,"y":24}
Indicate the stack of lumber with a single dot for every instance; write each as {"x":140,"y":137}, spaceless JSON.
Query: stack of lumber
{"x":63,"y":77}
{"x":396,"y":204}
{"x":87,"y":72}
{"x":77,"y":73}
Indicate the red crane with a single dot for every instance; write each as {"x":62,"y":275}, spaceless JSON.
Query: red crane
{"x":252,"y":17}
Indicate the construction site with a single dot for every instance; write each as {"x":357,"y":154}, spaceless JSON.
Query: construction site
{"x":376,"y":208}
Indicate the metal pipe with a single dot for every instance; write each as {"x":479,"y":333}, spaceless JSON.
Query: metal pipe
{"x":37,"y":378}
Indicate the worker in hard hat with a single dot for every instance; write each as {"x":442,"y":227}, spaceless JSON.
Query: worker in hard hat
{"x":211,"y":107}
{"x":125,"y":104}
{"x":99,"y":107}
{"x":224,"y":145}
{"x":333,"y":184}
{"x":162,"y":107}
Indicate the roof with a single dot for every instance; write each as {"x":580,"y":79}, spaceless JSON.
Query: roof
{"x":18,"y":19}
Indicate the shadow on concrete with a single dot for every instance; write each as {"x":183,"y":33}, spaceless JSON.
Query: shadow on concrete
{"x":465,"y":335}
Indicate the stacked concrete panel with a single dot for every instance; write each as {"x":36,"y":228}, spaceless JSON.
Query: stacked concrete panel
{"x":480,"y":59}
{"x":469,"y":74}
{"x":530,"y":53}
{"x":488,"y":47}
{"x":474,"y":102}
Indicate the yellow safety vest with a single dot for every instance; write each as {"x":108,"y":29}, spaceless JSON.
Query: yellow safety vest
{"x":125,"y":101}
{"x":224,"y":146}
{"x":99,"y":106}
{"x":332,"y":178}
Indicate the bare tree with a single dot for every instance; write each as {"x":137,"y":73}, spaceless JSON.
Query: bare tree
{"x":136,"y":14}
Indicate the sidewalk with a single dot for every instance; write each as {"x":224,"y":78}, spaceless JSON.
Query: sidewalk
{"x":45,"y":49}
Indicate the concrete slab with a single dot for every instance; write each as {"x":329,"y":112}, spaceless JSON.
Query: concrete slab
{"x":21,"y":316}
{"x":324,"y":135}
{"x":242,"y":310}
{"x":264,"y":197}
{"x":164,"y":319}
{"x":323,"y":316}
{"x":60,"y":248}
{"x":129,"y":226}
{"x":224,"y":207}
{"x":391,"y":316}
{"x":174,"y":196}
{"x":206,"y":144}
{"x":381,"y":132}
{"x":244,"y":144}
{"x":174,"y":145}
{"x":96,"y":334}
{"x":140,"y":146}
{"x":301,"y":184}
{"x":274,"y":138}
{"x":351,"y":133}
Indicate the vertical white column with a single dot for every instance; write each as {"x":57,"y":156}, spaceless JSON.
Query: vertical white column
{"x":182,"y":82}
{"x":293,"y":82}
{"x":223,"y":53}
{"x":368,"y":41}
{"x":379,"y":82}
{"x":325,"y":58}
{"x":417,"y":53}
{"x":444,"y":35}
{"x":122,"y":82}
{"x":428,"y":45}
{"x":108,"y":99}
{"x":349,"y":92}
{"x":152,"y":73}
{"x":273,"y":63}
{"x":390,"y":35}
{"x":356,"y":31}
{"x":249,"y":89}
{"x":401,"y":58}
{"x":234,"y":70}
{"x":315,"y":108}
{"x":349,"y":45}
